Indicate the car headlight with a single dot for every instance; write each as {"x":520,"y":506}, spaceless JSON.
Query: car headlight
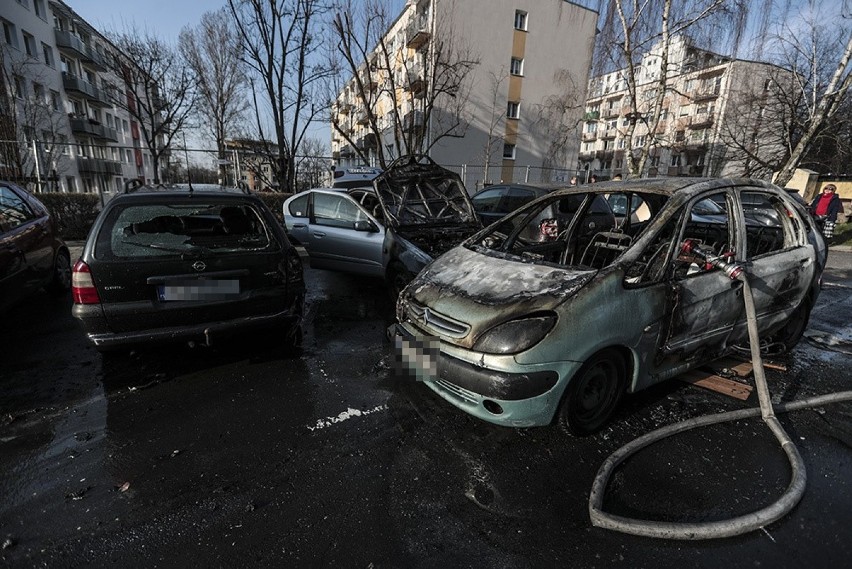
{"x":515,"y":335}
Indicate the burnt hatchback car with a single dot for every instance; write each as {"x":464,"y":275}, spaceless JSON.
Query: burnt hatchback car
{"x":537,"y":319}
{"x":416,"y":211}
{"x":171,"y":264}
{"x":32,"y":256}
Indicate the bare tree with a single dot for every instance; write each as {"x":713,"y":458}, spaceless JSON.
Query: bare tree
{"x":631,"y":28}
{"x":280,"y":40}
{"x":824,"y":89}
{"x":312,"y":165}
{"x":556,"y":123}
{"x":213,"y":50}
{"x":493,"y":140}
{"x":411,"y":99}
{"x":157,"y":88}
{"x":33,"y":142}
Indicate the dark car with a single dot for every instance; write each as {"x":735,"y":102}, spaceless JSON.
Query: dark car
{"x":416,"y":211}
{"x":496,"y":201}
{"x":171,"y":264}
{"x":32,"y":255}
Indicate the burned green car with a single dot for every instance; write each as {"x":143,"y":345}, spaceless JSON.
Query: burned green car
{"x":558,"y":310}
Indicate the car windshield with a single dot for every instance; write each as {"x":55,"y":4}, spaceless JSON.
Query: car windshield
{"x":190,"y":229}
{"x":565,"y":229}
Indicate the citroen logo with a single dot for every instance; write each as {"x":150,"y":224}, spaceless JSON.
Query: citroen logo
{"x":426,"y":314}
{"x":199,"y":266}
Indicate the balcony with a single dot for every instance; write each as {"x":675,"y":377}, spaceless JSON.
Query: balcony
{"x":363,"y":118}
{"x":412,"y":121}
{"x":611,"y":113}
{"x":592,"y":116}
{"x":98,"y":166}
{"x":610,"y":133}
{"x":92,"y":94}
{"x":346,"y":151}
{"x":414,"y":81}
{"x":344,"y":108}
{"x":87,"y":127}
{"x":71,"y":44}
{"x":589,"y":136}
{"x":417,"y":32}
{"x":702,"y":120}
{"x":366,"y":142}
{"x":704,"y":94}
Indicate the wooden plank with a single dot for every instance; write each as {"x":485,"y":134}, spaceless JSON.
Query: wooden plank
{"x":767,"y":364}
{"x":718,"y":384}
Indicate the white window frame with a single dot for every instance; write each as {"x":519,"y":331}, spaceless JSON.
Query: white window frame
{"x":513,"y":110}
{"x":509,"y":151}
{"x":521,"y":18}
{"x":516,"y":66}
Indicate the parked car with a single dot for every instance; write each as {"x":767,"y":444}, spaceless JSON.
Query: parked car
{"x":348,"y":177}
{"x":494,"y":202}
{"x":416,"y":211}
{"x":530,"y":326}
{"x":174,"y":264}
{"x":32,"y":255}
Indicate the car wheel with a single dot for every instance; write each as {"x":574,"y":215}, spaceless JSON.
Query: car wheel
{"x":593,"y":394}
{"x":397,"y":279}
{"x":60,"y":283}
{"x":795,"y":327}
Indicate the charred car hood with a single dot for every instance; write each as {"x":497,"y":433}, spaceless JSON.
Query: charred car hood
{"x":437,"y":240}
{"x":416,"y":193}
{"x":482,"y":290}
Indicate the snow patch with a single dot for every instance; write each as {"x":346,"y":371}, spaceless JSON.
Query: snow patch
{"x":345,"y":416}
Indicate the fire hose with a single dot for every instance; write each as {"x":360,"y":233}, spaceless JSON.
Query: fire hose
{"x":744,"y":523}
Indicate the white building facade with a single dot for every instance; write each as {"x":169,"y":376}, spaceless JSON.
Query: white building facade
{"x":512,"y":117}
{"x":60,"y":130}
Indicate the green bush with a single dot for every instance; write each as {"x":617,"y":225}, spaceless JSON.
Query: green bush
{"x":73,"y":213}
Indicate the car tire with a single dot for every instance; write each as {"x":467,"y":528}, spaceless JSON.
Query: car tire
{"x":794,"y":329}
{"x":60,"y":281}
{"x":593,"y":394}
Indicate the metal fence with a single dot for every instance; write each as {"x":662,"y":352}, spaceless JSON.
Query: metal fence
{"x":44,"y":166}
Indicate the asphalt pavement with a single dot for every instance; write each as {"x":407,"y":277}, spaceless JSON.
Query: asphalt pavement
{"x":239,"y":456}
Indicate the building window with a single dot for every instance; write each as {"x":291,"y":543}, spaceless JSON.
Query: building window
{"x":48,"y":55}
{"x":55,"y":101}
{"x":520,"y":20}
{"x":10,"y":34}
{"x":675,"y":160}
{"x":38,"y":92}
{"x":508,"y":151}
{"x":517,"y":66}
{"x":39,"y":9}
{"x":513,"y":110}
{"x":29,"y":44}
{"x":20,"y":88}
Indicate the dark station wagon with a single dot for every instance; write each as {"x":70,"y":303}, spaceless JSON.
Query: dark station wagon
{"x":171,"y":264}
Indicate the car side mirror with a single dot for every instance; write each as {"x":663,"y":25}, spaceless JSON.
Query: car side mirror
{"x":366,"y":225}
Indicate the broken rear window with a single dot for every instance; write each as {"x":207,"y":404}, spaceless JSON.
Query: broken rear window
{"x":158,"y":230}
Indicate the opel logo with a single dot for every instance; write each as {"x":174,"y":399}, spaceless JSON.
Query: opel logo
{"x":199,"y":266}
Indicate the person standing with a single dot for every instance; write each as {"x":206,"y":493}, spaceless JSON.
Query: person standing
{"x":825,"y":208}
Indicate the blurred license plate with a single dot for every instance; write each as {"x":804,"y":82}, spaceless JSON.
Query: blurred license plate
{"x":199,"y":290}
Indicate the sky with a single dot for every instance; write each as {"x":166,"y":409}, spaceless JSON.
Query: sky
{"x":164,"y":17}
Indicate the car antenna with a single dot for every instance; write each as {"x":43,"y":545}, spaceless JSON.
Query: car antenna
{"x":186,"y":157}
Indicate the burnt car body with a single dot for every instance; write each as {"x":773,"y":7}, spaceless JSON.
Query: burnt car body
{"x":172,"y":264}
{"x":529,"y":326}
{"x":32,"y":255}
{"x":416,"y":211}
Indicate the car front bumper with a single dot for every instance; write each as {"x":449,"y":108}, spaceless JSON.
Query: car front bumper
{"x":523,"y":396}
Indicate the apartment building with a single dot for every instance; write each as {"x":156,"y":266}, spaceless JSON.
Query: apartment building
{"x":511,"y":117}
{"x":59,"y":130}
{"x":707,"y":95}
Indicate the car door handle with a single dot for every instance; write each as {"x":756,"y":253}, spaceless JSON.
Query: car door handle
{"x":319,"y":234}
{"x":299,"y":226}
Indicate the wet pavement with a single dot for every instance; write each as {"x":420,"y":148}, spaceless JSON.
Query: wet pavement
{"x":236,"y":455}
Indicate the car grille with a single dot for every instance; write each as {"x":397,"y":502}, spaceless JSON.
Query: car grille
{"x":434,"y":321}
